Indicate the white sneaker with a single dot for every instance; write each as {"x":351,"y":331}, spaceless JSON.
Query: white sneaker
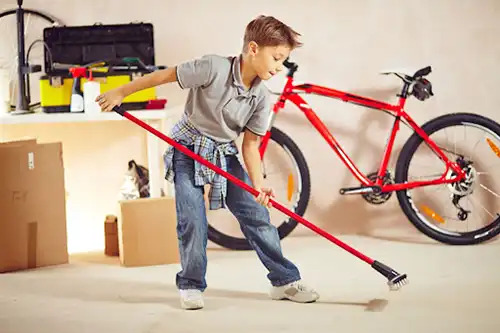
{"x":296,"y":291}
{"x":191,"y":299}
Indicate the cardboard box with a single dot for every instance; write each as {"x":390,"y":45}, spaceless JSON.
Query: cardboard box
{"x":111,"y":246}
{"x":32,"y":206}
{"x":147,"y":232}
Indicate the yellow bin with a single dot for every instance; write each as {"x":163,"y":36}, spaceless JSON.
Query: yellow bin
{"x":55,"y":91}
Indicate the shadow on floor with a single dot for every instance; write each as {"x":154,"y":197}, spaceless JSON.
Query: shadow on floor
{"x":53,"y":283}
{"x":372,"y":305}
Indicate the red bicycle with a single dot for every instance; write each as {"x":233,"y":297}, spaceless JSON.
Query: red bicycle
{"x":460,"y":176}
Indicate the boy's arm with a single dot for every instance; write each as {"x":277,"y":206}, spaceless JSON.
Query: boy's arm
{"x":251,"y":157}
{"x":190,"y":74}
{"x":255,"y":129}
{"x":154,"y":79}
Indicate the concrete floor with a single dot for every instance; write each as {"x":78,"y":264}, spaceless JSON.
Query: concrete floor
{"x":451,"y":289}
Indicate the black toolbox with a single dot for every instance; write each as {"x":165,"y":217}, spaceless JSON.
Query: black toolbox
{"x":127,"y":51}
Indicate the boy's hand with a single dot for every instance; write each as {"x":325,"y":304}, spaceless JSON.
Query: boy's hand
{"x":110,"y":99}
{"x":263,"y":197}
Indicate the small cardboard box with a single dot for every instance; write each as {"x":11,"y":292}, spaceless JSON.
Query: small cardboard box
{"x":32,"y":206}
{"x":147,"y":232}
{"x":111,"y":247}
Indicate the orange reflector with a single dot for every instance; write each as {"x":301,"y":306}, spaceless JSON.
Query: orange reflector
{"x":493,"y":147}
{"x":290,"y":187}
{"x":427,"y":210}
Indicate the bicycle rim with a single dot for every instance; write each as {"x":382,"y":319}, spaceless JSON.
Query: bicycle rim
{"x":462,"y":213}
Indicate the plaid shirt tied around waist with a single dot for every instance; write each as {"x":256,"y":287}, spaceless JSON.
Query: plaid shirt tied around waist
{"x":186,"y":134}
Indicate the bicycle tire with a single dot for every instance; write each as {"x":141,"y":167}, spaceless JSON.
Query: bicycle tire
{"x":242,"y":244}
{"x":33,"y":12}
{"x":466,"y":238}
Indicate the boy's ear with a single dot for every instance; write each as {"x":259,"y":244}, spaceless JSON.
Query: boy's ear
{"x":253,"y":48}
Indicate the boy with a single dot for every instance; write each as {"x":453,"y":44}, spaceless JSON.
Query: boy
{"x":226,"y":98}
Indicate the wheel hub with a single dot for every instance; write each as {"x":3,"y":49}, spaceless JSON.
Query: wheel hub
{"x":465,"y":186}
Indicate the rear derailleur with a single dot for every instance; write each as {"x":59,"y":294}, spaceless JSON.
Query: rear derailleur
{"x":462,"y":213}
{"x":464,"y":187}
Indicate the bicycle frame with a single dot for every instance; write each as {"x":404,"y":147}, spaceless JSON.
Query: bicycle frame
{"x":291,"y":93}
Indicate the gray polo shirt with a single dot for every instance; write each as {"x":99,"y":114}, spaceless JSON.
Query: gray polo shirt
{"x":218,"y":104}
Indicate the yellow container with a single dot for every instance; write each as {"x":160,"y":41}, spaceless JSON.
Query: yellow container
{"x":55,"y":91}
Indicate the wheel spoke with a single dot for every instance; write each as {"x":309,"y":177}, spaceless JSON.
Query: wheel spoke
{"x":480,"y":210}
{"x":487,"y":189}
{"x":484,"y":208}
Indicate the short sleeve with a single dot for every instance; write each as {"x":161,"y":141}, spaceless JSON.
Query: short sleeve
{"x":259,"y":121}
{"x":194,"y":73}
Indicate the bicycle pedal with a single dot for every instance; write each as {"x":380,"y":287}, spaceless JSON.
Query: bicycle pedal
{"x":359,"y":190}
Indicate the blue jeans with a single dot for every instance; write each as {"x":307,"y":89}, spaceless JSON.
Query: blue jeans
{"x":192,"y":223}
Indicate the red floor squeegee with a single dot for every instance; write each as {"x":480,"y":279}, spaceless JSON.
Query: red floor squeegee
{"x":394,"y":280}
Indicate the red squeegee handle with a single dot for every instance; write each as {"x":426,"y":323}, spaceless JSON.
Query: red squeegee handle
{"x":242,"y":184}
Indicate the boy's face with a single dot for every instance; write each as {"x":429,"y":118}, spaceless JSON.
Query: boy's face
{"x":268,"y":61}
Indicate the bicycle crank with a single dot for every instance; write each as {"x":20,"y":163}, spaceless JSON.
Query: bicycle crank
{"x":372,"y":194}
{"x":359,"y":190}
{"x":379,"y":197}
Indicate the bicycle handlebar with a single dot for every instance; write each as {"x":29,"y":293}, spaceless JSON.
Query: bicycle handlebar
{"x":292,"y":67}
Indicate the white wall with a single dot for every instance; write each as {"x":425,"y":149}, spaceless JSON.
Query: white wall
{"x":346,"y":44}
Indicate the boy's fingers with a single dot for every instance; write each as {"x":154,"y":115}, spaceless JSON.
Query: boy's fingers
{"x":262,"y":199}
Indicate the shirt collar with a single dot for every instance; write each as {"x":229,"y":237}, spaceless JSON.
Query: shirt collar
{"x":237,"y":80}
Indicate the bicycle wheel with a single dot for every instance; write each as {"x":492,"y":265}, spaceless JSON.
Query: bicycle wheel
{"x":34,"y":23}
{"x":285,"y":168}
{"x":475,"y":199}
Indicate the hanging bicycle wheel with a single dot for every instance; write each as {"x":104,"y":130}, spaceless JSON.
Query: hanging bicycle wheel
{"x":286,"y":171}
{"x":32,"y":51}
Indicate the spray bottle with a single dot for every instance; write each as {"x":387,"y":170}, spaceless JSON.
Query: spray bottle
{"x":91,"y":89}
{"x":77,"y":103}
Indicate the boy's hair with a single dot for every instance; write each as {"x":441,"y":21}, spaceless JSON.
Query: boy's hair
{"x":269,"y":31}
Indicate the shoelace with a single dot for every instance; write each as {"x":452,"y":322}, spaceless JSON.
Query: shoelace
{"x":299,"y":287}
{"x":192,"y":294}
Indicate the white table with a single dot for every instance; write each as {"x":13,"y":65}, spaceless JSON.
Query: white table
{"x":155,"y":118}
